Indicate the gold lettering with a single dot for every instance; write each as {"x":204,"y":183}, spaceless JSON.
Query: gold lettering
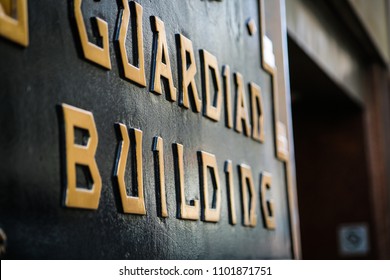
{"x":249,"y":208}
{"x":13,"y":29}
{"x":230,"y":188}
{"x":161,"y":64}
{"x":228,"y":106}
{"x":267,"y":53}
{"x":257,"y":113}
{"x":159,"y":158}
{"x":267,"y":206}
{"x":211,"y":109}
{"x":213,"y":213}
{"x":83,"y":155}
{"x":187,"y":74}
{"x":136,"y":72}
{"x":131,"y":204}
{"x":268,"y":62}
{"x":186,"y":211}
{"x":282,"y":141}
{"x":92,"y":52}
{"x":241,"y":108}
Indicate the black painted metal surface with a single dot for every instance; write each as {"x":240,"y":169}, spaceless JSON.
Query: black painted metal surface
{"x":52,"y":70}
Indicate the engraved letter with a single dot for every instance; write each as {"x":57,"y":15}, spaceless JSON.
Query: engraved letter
{"x":228,"y":106}
{"x":13,"y":29}
{"x":249,"y":209}
{"x":208,"y":162}
{"x":82,"y":155}
{"x":131,"y":204}
{"x":241,"y":108}
{"x":230,"y":188}
{"x":187,"y":73}
{"x":185,"y":211}
{"x":136,"y":72}
{"x":211,"y":108}
{"x":161,"y":65}
{"x":257,"y":113}
{"x":92,"y":52}
{"x":267,"y":207}
{"x":159,"y":159}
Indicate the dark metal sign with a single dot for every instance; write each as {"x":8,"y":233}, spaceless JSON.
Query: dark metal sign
{"x":145,"y":129}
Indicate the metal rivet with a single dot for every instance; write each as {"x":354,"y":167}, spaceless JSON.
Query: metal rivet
{"x":251,"y":25}
{"x":3,"y":242}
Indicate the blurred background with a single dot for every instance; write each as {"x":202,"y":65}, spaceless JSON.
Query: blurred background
{"x":338,"y":59}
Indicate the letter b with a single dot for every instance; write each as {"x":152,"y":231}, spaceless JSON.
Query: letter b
{"x":82,"y":155}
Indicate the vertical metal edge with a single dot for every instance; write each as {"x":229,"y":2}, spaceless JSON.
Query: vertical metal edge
{"x":290,"y":164}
